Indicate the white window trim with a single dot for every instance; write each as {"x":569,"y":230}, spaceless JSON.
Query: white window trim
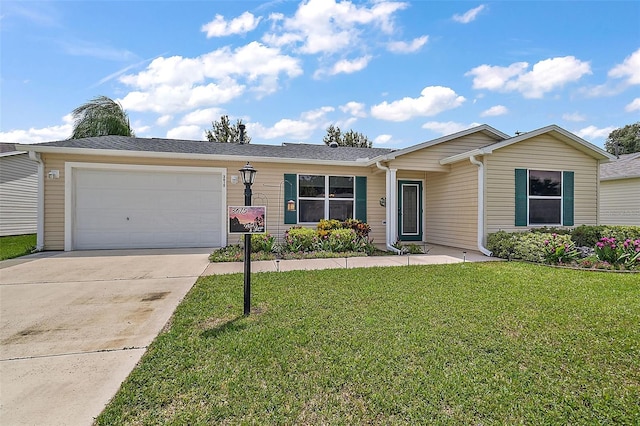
{"x":546,"y":197}
{"x":326,"y":197}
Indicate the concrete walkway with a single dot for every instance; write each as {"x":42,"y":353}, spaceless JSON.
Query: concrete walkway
{"x":435,"y":255}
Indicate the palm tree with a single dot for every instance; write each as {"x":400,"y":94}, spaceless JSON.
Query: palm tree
{"x":99,"y":117}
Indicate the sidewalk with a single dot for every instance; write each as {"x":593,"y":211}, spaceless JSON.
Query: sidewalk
{"x":436,"y":255}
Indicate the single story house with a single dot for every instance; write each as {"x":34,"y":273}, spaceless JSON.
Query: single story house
{"x":620,"y":191}
{"x":121,"y":192}
{"x":18,"y":192}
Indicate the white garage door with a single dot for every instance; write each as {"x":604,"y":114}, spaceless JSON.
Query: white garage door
{"x":147,"y":209}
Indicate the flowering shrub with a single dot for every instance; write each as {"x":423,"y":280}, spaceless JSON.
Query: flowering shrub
{"x":362,"y":229}
{"x":559,"y":250}
{"x":262,"y":242}
{"x":326,"y":226}
{"x":342,"y":240}
{"x":300,"y":239}
{"x":626,"y":253}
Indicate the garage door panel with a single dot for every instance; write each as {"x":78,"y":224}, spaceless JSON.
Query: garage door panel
{"x":147,"y":209}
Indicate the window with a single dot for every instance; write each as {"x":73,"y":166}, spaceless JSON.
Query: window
{"x":325,"y":197}
{"x":545,"y":197}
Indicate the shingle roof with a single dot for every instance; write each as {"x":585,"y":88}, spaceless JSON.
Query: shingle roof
{"x":7,"y":147}
{"x":285,"y":151}
{"x":627,"y":166}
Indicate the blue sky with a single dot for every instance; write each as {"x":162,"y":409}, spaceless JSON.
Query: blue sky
{"x":399,"y":72}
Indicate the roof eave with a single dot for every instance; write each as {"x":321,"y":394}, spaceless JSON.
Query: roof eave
{"x":188,"y":156}
{"x":482,"y":128}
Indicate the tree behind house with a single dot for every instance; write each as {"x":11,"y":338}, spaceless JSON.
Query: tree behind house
{"x":101,"y":116}
{"x":350,"y":138}
{"x":626,"y":138}
{"x":225,"y":132}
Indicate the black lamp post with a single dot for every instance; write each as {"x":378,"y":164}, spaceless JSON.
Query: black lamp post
{"x":248,"y":174}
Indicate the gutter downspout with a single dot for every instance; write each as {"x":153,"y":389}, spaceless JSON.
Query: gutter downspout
{"x":35,"y":156}
{"x":390,"y":196}
{"x":480,"y":165}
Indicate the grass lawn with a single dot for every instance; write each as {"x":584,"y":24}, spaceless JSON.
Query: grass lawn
{"x":16,"y":246}
{"x":481,"y":343}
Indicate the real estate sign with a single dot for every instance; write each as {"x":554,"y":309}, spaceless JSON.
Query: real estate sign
{"x":247,"y":219}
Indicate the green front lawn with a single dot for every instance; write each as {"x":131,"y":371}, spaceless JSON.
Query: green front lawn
{"x":16,"y":245}
{"x":484,"y":343}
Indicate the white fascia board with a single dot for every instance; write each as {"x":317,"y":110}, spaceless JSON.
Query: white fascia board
{"x":464,"y":156}
{"x":189,"y":156}
{"x":482,"y":128}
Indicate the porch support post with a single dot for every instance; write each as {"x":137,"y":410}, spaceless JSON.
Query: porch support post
{"x":391,"y":210}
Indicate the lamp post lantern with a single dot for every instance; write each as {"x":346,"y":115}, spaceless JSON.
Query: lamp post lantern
{"x":248,"y":174}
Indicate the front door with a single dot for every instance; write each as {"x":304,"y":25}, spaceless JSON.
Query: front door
{"x":409,"y":210}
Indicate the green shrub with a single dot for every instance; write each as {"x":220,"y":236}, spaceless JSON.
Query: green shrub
{"x":325,"y":227}
{"x":587,"y":235}
{"x":300,"y":239}
{"x":262,"y":242}
{"x":362,"y":229}
{"x":342,"y":240}
{"x":621,"y":233}
{"x":502,"y":244}
{"x":551,"y":230}
{"x":560,"y":249}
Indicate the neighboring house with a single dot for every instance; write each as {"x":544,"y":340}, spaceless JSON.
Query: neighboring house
{"x":18,"y":191}
{"x":620,"y":191}
{"x":121,"y":192}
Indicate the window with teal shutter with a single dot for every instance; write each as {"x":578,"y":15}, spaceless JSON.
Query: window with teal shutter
{"x":318,"y":197}
{"x":290,"y":193}
{"x":521,"y":197}
{"x":567,"y":198}
{"x":361,"y":198}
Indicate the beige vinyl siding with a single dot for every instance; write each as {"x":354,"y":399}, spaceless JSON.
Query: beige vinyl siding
{"x":541,"y":153}
{"x":267,"y":190}
{"x":451,"y":212}
{"x":620,"y":202}
{"x":428,"y":159}
{"x":18,"y":195}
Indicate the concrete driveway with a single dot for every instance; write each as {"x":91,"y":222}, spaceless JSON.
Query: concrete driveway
{"x":73,"y":326}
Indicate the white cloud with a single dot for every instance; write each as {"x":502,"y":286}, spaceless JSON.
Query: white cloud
{"x":329,"y":26}
{"x":174,"y":84}
{"x":545,"y":76}
{"x":190,"y":132}
{"x":164,"y":120}
{"x":447,"y":127}
{"x":202,"y":116}
{"x":432,"y":101}
{"x":407,"y":47}
{"x":348,"y":67}
{"x":87,"y":48}
{"x":495,"y":111}
{"x":633,"y":106}
{"x":46,"y":134}
{"x":629,"y":69}
{"x":469,"y":15}
{"x":592,"y":132}
{"x":219,"y":27}
{"x":382,"y":139}
{"x":356,"y":109}
{"x":290,"y":129}
{"x":318,"y":114}
{"x":286,"y":129}
{"x":574,"y":117}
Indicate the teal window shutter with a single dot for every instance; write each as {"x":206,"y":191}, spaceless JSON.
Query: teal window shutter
{"x":290,"y":193}
{"x":567,"y":198}
{"x":361,"y":198}
{"x":521,"y":197}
